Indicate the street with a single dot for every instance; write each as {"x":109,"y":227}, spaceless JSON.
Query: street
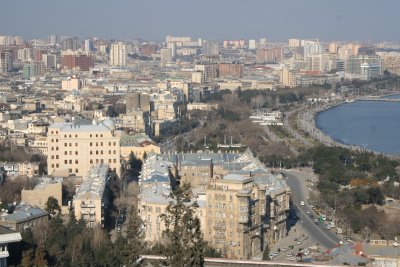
{"x":325,"y":237}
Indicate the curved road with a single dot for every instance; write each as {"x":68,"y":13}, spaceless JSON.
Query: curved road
{"x":325,"y":237}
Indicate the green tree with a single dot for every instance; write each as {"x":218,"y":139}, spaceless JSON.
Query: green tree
{"x":135,"y":233}
{"x":52,"y":206}
{"x":185,"y":243}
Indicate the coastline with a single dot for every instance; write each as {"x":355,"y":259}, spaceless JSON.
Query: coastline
{"x":308,"y":124}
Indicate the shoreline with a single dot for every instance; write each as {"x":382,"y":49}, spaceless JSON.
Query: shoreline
{"x":308,"y":123}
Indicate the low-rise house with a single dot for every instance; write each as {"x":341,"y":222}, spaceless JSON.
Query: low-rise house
{"x":139,"y":145}
{"x":23,"y":217}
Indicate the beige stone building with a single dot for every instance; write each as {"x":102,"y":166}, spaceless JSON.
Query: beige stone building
{"x":139,"y":145}
{"x":91,"y":198}
{"x":152,"y":204}
{"x":244,"y":206}
{"x":41,"y":193}
{"x":287,"y":78}
{"x":74,"y":147}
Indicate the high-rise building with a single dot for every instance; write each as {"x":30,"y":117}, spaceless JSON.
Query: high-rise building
{"x":252,"y":44}
{"x":269,"y":54}
{"x":233,"y":70}
{"x":51,"y":60}
{"x":333,"y":48}
{"x":172,"y":47}
{"x":364,"y":67}
{"x":315,"y":62}
{"x":294,"y":42}
{"x":391,"y":62}
{"x":24,"y":54}
{"x":6,"y":60}
{"x":211,"y":49}
{"x":70,"y":43}
{"x":35,"y":68}
{"x":88,"y":45}
{"x":210,"y":70}
{"x":166,"y":55}
{"x":75,"y":146}
{"x":137,"y":101}
{"x":287,"y":78}
{"x":312,"y":47}
{"x":118,"y":54}
{"x":76,"y":60}
{"x":148,"y":50}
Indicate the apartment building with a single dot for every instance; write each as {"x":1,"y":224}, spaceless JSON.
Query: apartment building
{"x":91,"y":198}
{"x":230,"y":70}
{"x":73,"y":147}
{"x":243,"y":206}
{"x":139,"y":145}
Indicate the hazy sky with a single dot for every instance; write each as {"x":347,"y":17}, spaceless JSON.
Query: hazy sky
{"x":276,"y":20}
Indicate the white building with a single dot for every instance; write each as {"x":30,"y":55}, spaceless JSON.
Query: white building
{"x":118,"y":54}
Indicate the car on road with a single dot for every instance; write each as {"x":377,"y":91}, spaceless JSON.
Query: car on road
{"x":302,"y":203}
{"x":316,"y":221}
{"x":290,"y":254}
{"x":285,"y":249}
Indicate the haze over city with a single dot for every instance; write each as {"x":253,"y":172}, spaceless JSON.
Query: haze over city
{"x":340,"y":20}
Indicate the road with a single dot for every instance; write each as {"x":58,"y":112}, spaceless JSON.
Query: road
{"x":296,"y":181}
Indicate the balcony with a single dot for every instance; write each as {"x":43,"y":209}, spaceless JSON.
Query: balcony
{"x":4,"y":254}
{"x":83,"y":205}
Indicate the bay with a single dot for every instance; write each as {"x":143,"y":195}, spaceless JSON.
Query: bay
{"x":374,"y":125}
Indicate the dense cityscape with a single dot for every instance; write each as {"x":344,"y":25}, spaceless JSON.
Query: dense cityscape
{"x":192,"y":151}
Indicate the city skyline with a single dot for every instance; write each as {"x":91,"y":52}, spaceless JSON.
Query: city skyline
{"x":218,"y":20}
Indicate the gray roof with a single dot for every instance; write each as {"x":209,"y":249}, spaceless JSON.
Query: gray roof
{"x":80,"y":127}
{"x":95,"y":182}
{"x":23,"y":213}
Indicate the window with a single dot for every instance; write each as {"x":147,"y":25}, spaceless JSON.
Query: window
{"x":90,"y":142}
{"x":70,"y":170}
{"x":101,"y":152}
{"x":91,"y":161}
{"x":76,"y":136}
{"x":109,"y":152}
{"x":109,"y":161}
{"x":97,"y":152}
{"x":52,"y":157}
{"x":65,"y":144}
{"x":91,"y":152}
{"x":114,"y":152}
{"x":65,"y":161}
{"x":52,"y":165}
{"x":114,"y":144}
{"x":57,"y":148}
{"x":109,"y":143}
{"x":76,"y":170}
{"x":70,"y":161}
{"x":101,"y":135}
{"x":65,"y":136}
{"x":76,"y":144}
{"x":76,"y":152}
{"x":56,"y":156}
{"x":114,"y":160}
{"x":56,"y":140}
{"x":97,"y":135}
{"x":101,"y":161}
{"x":76,"y":161}
{"x":101,"y":143}
{"x":70,"y":144}
{"x":70,"y":136}
{"x":52,"y":140}
{"x":57,"y":165}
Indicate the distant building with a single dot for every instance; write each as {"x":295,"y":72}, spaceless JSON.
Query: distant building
{"x":269,"y":54}
{"x":118,"y":54}
{"x":88,"y":45}
{"x":234,"y":70}
{"x":287,"y":78}
{"x":6,"y":61}
{"x":91,"y":199}
{"x":148,"y":50}
{"x":70,"y":43}
{"x":72,"y":83}
{"x":76,"y":60}
{"x":252,"y":44}
{"x":210,"y":70}
{"x":363,"y":67}
{"x":137,"y":101}
{"x":166,"y":55}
